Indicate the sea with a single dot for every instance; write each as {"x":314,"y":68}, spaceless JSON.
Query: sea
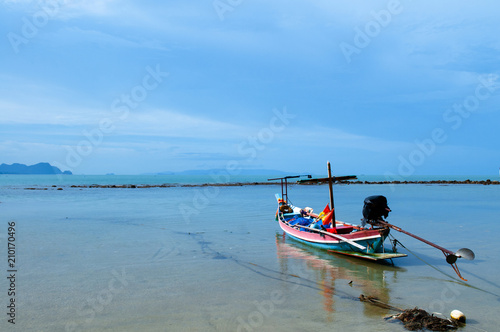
{"x":193,"y":256}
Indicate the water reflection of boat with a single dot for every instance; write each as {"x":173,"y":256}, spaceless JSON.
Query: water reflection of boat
{"x":333,"y":274}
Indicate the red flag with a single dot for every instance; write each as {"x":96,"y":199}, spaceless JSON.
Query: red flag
{"x":328,"y":219}
{"x":325,"y":212}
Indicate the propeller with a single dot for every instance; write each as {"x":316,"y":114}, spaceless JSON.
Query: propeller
{"x":461,"y":253}
{"x":451,"y":257}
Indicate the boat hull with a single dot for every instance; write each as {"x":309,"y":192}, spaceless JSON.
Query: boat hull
{"x":371,"y":239}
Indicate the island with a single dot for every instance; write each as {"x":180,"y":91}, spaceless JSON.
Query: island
{"x":40,"y":168}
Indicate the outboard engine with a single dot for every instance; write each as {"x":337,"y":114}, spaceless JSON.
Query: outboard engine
{"x":375,"y":208}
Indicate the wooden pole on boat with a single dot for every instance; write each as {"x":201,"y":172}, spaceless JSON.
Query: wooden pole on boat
{"x":330,"y":187}
{"x":444,"y":250}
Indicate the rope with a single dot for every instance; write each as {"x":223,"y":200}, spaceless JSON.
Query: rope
{"x":396,"y":241}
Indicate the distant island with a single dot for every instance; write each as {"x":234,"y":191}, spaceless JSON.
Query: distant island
{"x":40,"y":168}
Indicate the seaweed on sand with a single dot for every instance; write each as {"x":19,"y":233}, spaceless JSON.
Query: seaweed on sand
{"x":414,"y":319}
{"x":419,"y":319}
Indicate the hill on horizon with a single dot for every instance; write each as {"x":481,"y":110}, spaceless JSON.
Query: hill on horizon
{"x":40,"y":168}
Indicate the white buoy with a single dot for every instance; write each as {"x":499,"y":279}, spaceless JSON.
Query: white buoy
{"x":458,"y":316}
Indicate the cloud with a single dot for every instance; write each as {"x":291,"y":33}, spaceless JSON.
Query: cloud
{"x":323,"y":137}
{"x":168,"y":123}
{"x":64,"y":9}
{"x":29,"y":152}
{"x":77,"y":36}
{"x":47,"y":113}
{"x":226,"y":76}
{"x":143,"y":122}
{"x":91,"y":8}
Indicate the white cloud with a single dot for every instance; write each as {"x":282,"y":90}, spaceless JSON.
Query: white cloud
{"x":335,"y":138}
{"x":143,"y":122}
{"x":67,"y":8}
{"x":92,"y":7}
{"x":47,"y":113}
{"x":169,"y":123}
{"x":76,"y":35}
{"x":29,"y":153}
{"x":427,"y":58}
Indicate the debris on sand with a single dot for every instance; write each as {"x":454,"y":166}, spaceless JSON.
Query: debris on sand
{"x":414,"y":319}
{"x":419,"y":319}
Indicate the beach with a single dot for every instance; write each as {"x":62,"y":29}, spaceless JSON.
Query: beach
{"x":138,"y":139}
{"x":212,"y":258}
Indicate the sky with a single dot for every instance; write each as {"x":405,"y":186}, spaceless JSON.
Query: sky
{"x":395,"y":88}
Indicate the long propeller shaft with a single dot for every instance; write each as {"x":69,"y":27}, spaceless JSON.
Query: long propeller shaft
{"x":444,"y":250}
{"x":450,"y":256}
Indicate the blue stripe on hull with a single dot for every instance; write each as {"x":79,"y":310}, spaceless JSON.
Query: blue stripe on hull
{"x":373,"y":245}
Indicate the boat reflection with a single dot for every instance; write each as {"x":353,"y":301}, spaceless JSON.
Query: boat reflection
{"x":335,"y":276}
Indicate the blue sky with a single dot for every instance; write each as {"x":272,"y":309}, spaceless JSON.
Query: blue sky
{"x":376,"y":87}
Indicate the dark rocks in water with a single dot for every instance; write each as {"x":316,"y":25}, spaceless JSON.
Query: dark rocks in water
{"x":240,"y":184}
{"x":40,"y":168}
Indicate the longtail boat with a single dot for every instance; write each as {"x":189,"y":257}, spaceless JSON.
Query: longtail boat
{"x":365,"y":240}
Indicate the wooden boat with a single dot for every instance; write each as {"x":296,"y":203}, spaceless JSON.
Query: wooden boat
{"x":322,"y":232}
{"x":343,"y":239}
{"x":364,"y":241}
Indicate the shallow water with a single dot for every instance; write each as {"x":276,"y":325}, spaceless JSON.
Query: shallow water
{"x":214,"y":259}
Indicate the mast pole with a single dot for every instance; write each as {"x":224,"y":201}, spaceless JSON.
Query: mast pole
{"x":330,"y":187}
{"x":286,"y":192}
